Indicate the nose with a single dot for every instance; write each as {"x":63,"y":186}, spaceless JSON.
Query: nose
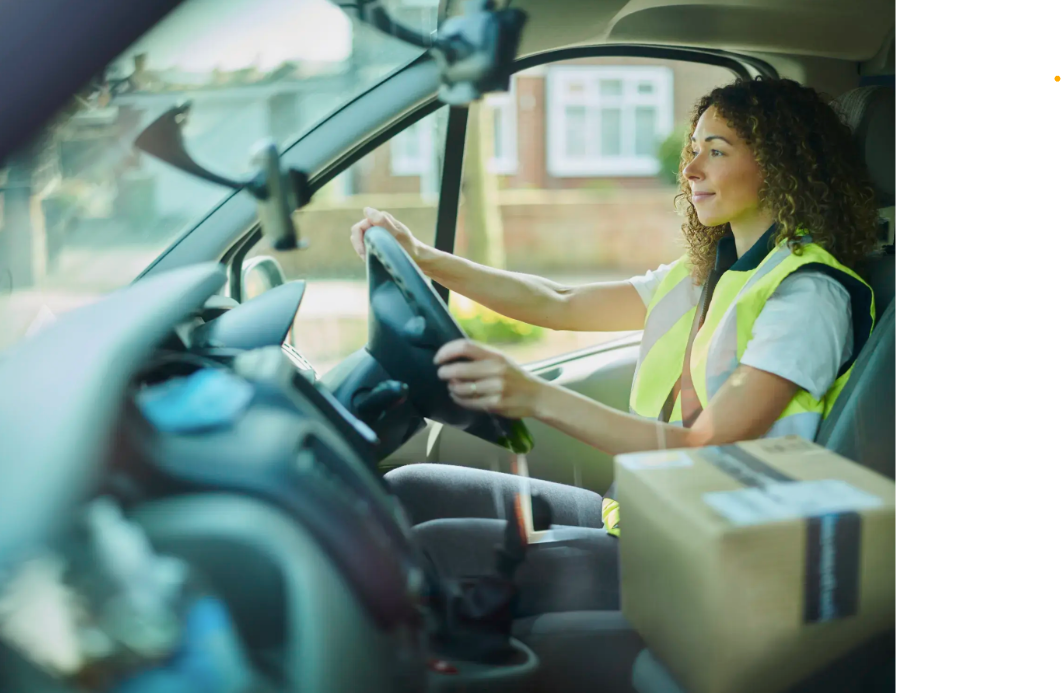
{"x":692,"y":169}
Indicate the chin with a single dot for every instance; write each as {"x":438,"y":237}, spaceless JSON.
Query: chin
{"x":710,"y":219}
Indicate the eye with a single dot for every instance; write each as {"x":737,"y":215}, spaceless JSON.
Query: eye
{"x":715,"y":152}
{"x":695,"y":153}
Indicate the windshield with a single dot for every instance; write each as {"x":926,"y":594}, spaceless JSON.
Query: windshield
{"x":83,"y":213}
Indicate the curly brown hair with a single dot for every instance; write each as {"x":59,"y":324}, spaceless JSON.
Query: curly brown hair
{"x":814,"y":177}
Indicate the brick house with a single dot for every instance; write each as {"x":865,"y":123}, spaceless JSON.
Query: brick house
{"x":584,"y":123}
{"x":575,"y":152}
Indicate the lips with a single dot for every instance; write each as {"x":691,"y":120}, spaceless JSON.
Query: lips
{"x":701,"y":196}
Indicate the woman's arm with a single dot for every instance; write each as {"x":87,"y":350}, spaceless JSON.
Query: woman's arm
{"x":745,"y":407}
{"x":598,"y":307}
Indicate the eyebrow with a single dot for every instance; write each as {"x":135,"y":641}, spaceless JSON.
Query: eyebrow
{"x":692,"y":138}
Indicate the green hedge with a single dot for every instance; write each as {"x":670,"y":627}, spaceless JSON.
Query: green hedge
{"x":484,"y":325}
{"x":670,"y":155}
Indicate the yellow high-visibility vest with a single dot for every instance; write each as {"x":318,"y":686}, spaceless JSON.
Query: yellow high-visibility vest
{"x":738,"y":299}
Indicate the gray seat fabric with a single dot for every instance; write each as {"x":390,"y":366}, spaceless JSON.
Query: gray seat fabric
{"x":861,"y":425}
{"x":437,"y":491}
{"x":879,"y":273}
{"x":870,"y":113}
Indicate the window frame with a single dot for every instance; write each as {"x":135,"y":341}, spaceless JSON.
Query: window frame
{"x":505,"y":105}
{"x":406,"y":166}
{"x":559,"y":163}
{"x":506,"y":164}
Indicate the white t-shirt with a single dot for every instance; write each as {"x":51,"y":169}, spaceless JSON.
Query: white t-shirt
{"x":804,"y":333}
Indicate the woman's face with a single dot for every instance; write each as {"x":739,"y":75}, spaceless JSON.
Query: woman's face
{"x":723,"y":175}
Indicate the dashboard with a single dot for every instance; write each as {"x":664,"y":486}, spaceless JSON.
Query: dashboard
{"x":217,"y":440}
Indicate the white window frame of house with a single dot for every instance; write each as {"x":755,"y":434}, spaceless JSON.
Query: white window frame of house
{"x":558,"y":80}
{"x":419,"y":163}
{"x":506,"y":160}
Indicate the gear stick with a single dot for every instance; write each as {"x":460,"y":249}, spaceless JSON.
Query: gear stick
{"x":479,"y":610}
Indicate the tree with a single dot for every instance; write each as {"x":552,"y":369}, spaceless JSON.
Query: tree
{"x":22,"y":242}
{"x":30,"y":170}
{"x":482,"y":211}
{"x":670,"y":155}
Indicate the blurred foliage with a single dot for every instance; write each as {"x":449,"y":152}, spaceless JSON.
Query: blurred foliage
{"x":484,"y":325}
{"x":601,"y":185}
{"x":670,"y":155}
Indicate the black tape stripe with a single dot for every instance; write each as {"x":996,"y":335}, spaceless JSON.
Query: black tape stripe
{"x":832,"y":567}
{"x":834,"y":542}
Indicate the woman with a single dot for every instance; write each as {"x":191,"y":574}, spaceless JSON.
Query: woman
{"x":777,"y":206}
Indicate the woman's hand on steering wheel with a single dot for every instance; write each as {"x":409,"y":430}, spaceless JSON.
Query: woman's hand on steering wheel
{"x":484,"y":379}
{"x":384,"y":220}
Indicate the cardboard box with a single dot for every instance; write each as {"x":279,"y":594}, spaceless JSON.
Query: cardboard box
{"x":748,"y":567}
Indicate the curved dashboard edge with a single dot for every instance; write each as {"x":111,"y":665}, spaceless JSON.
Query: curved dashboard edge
{"x":62,"y":391}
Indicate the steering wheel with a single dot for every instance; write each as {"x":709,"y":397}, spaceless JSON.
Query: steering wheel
{"x":408,"y":323}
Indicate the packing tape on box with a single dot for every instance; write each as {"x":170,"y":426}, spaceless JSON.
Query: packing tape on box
{"x":834,"y":525}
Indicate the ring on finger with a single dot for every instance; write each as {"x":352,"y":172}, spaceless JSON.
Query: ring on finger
{"x":475,"y":389}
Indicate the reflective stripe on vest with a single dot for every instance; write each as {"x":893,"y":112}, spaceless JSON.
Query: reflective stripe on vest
{"x":739,"y":298}
{"x":667,"y":325}
{"x":610,"y":516}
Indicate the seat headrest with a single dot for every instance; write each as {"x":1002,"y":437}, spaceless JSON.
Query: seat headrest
{"x":870,"y":113}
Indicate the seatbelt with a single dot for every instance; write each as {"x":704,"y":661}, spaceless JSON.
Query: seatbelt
{"x":684,"y":384}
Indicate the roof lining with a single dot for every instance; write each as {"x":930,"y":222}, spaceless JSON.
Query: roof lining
{"x":855,"y":30}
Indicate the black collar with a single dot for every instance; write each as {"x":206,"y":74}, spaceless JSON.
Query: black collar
{"x":726,"y":254}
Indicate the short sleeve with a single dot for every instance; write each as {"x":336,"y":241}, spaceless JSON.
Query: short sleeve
{"x":804,"y":333}
{"x":647,"y":283}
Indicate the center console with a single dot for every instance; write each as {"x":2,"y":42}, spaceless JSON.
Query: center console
{"x":292,"y":452}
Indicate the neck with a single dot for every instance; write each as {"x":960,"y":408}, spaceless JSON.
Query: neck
{"x":747,"y":231}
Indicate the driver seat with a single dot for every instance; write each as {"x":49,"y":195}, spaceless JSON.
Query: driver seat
{"x":861,"y":425}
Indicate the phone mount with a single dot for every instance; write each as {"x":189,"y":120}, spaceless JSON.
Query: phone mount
{"x":474,"y":51}
{"x":279,"y":191}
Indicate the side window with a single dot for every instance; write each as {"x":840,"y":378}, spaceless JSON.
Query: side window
{"x":402,"y":177}
{"x":572,"y":176}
